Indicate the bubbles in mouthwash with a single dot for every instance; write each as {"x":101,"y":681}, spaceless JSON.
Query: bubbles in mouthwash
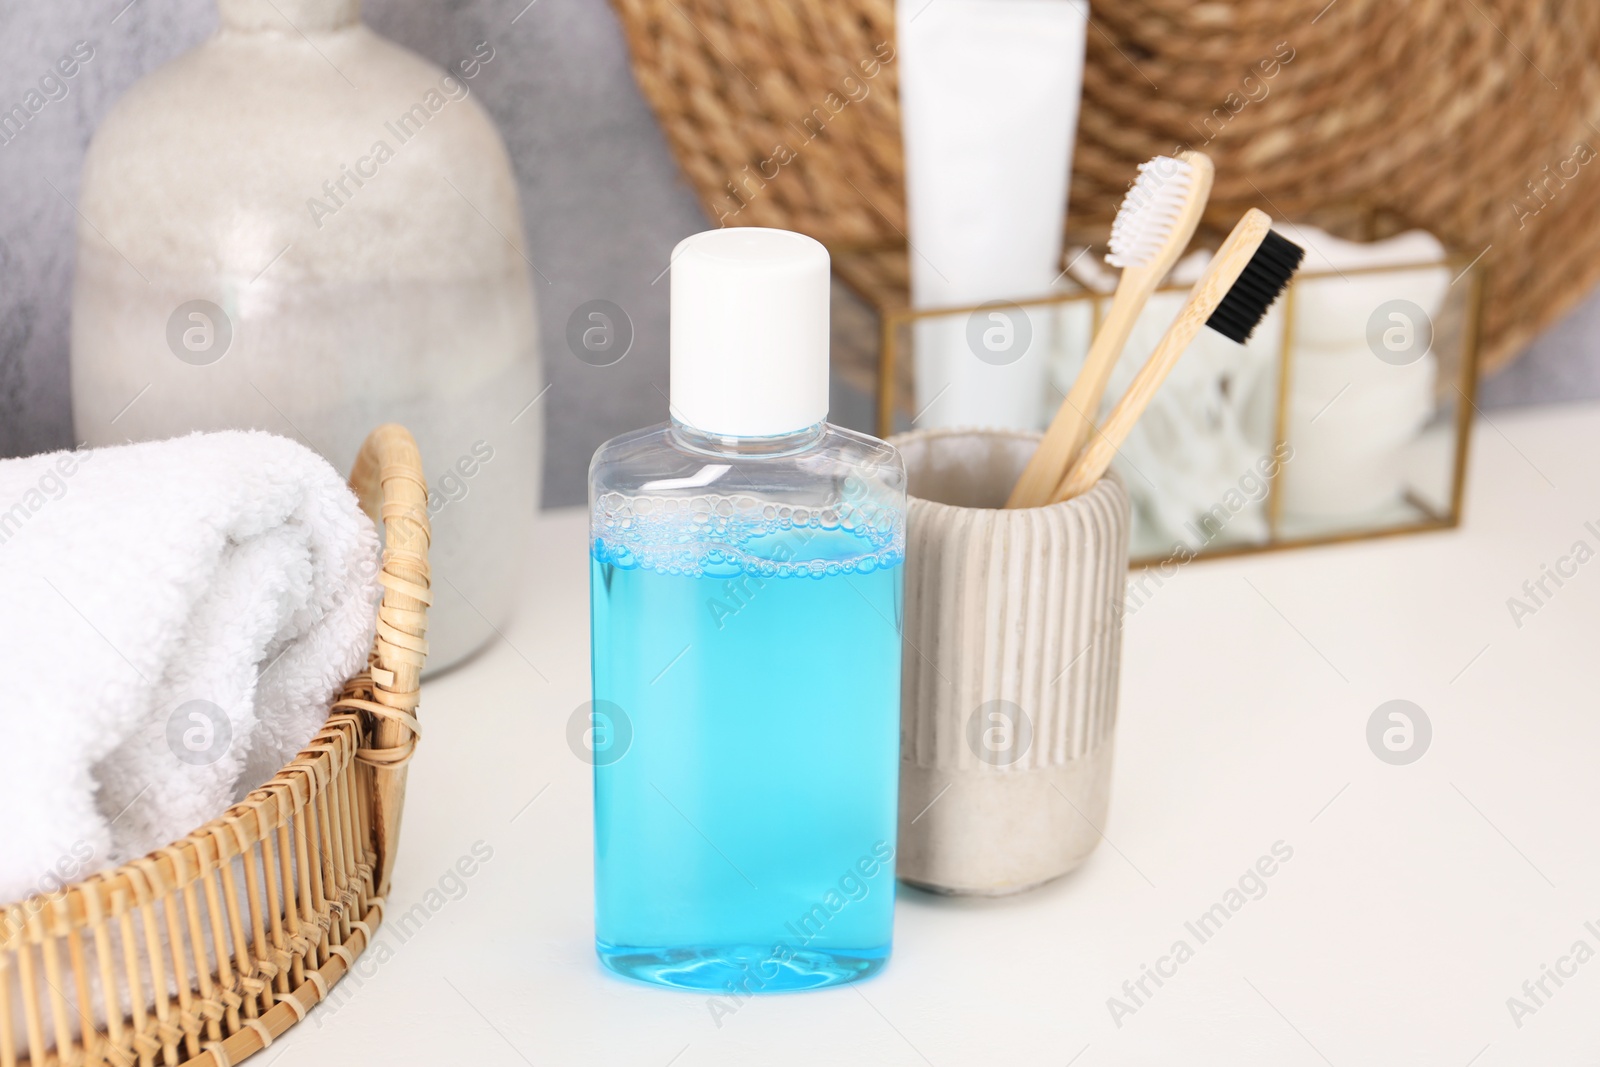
{"x":728,"y":535}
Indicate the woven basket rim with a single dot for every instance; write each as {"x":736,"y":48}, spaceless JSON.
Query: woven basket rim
{"x":202,"y":850}
{"x":352,"y":773}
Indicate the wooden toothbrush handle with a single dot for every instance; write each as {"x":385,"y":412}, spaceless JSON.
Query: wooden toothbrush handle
{"x":1208,"y":293}
{"x":1075,"y":417}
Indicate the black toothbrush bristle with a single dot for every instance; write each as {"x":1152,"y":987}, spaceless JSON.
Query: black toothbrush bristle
{"x":1264,"y":278}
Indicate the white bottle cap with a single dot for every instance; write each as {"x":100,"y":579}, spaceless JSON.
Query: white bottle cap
{"x":749,"y":332}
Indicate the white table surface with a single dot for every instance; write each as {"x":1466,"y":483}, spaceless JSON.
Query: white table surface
{"x":1418,"y":899}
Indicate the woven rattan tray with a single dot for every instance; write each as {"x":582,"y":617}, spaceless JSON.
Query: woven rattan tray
{"x":253,"y":917}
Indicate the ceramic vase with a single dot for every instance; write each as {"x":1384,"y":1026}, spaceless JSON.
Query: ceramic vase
{"x":304,"y":228}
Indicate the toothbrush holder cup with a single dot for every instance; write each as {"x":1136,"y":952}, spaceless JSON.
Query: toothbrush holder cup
{"x":1012,"y":650}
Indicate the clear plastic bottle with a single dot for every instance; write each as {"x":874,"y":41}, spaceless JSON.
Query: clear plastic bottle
{"x":745,"y":611}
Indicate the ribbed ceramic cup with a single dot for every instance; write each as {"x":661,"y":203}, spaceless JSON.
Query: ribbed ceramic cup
{"x":1013,"y":645}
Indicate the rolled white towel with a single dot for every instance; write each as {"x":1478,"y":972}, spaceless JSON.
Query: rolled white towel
{"x":175,"y":617}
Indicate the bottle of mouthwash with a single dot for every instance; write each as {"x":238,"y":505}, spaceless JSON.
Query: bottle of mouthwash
{"x":746,"y":609}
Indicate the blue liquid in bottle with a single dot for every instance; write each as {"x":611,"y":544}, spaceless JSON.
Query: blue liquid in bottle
{"x":745,"y":833}
{"x":745,"y":603}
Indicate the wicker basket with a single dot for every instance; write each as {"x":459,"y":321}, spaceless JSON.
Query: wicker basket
{"x":315,"y":846}
{"x":1429,"y":113}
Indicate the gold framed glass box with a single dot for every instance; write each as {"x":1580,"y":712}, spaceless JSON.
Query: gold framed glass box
{"x":1347,"y":415}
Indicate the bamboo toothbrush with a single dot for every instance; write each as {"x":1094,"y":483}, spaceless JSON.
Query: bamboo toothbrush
{"x":1157,"y":218}
{"x":1243,"y":279}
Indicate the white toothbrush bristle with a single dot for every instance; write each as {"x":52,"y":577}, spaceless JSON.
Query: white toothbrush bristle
{"x":1149,"y":212}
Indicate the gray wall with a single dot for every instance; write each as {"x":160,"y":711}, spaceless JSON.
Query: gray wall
{"x":603,"y":203}
{"x":1561,"y":366}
